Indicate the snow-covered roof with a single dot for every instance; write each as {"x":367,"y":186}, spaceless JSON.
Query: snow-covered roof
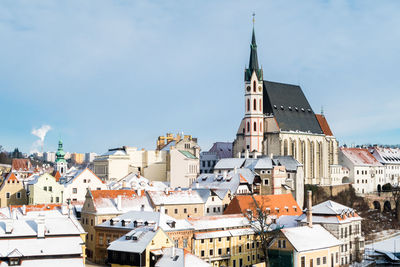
{"x":59,"y":262}
{"x":360,"y":156}
{"x":115,"y":153}
{"x":306,"y":238}
{"x":290,"y":163}
{"x":218,"y":221}
{"x":144,"y":237}
{"x":263,"y":163}
{"x":229,"y":163}
{"x":386,"y":155}
{"x":106,"y":201}
{"x":145,"y":219}
{"x":136,"y":182}
{"x":179,"y":258}
{"x":331,"y":208}
{"x":223,"y":233}
{"x":175,"y":197}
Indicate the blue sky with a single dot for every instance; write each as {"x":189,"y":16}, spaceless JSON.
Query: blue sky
{"x":109,"y":73}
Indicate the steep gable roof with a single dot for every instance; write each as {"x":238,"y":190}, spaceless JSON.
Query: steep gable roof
{"x":323,"y":123}
{"x":277,"y":205}
{"x":21,"y":164}
{"x":360,"y":156}
{"x":290,"y":107}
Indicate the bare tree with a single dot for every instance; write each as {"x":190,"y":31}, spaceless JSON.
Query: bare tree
{"x":264,"y":227}
{"x":396,"y":199}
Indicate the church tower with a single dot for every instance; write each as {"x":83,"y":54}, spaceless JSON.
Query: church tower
{"x":253,"y":90}
{"x":61,"y":163}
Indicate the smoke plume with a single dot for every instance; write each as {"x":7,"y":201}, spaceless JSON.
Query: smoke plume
{"x":41,"y":133}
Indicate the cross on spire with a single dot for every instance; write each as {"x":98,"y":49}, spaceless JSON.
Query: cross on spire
{"x":254,"y":18}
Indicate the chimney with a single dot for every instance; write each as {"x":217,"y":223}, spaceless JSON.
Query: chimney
{"x":271,"y":155}
{"x":246,"y":155}
{"x":40,"y":221}
{"x":309,"y":208}
{"x":235,"y":170}
{"x":123,"y":184}
{"x":239,"y":155}
{"x":197,"y":184}
{"x":64,"y":209}
{"x":119,"y":202}
{"x":225,"y":174}
{"x":139,"y":192}
{"x":166,"y":191}
{"x":173,"y":251}
{"x":9,"y":225}
{"x":24,"y":209}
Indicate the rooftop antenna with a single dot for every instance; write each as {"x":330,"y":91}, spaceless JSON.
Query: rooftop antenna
{"x":322,"y":110}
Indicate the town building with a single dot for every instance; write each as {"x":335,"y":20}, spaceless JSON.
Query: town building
{"x":176,"y":160}
{"x":24,"y":167}
{"x":278,"y":119}
{"x":390,"y":158}
{"x":208,"y":159}
{"x":179,"y":204}
{"x":49,"y":156}
{"x":102,"y":205}
{"x":342,"y":222}
{"x":12,"y":191}
{"x":44,"y":189}
{"x":90,"y":156}
{"x":367,"y":175}
{"x":275,"y":205}
{"x":180,"y":231}
{"x":76,"y":187}
{"x":77,"y":158}
{"x":304,"y":246}
{"x":41,"y":235}
{"x":225,"y":240}
{"x":135,"y":181}
{"x":139,"y":247}
{"x":276,"y":175}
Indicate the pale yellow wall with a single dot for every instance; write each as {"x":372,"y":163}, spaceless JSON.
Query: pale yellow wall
{"x":190,"y":210}
{"x":38,"y":195}
{"x":13,"y":189}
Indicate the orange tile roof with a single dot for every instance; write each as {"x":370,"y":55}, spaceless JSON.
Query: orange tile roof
{"x":57,"y":175}
{"x":20,"y":164}
{"x":98,"y":194}
{"x":276,"y":204}
{"x":12,"y":177}
{"x":242,"y":179}
{"x":324,"y":124}
{"x":38,"y":207}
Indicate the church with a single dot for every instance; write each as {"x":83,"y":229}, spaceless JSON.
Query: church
{"x":279,"y":120}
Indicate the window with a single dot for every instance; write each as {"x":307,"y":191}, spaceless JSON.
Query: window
{"x":166,"y":211}
{"x":202,"y":241}
{"x":91,"y":222}
{"x":266,"y":182}
{"x":255,"y":104}
{"x":195,"y":210}
{"x":248,"y":258}
{"x":14,"y":262}
{"x":101,"y":240}
{"x":337,"y":257}
{"x":248,"y":246}
{"x":260,"y":108}
{"x":219,"y":239}
{"x":211,"y":252}
{"x":18,"y":195}
{"x":254,"y":90}
{"x":176,"y":243}
{"x":248,"y":104}
{"x":324,"y":260}
{"x":283,"y":243}
{"x":45,"y":188}
{"x":318,"y":261}
{"x":279,"y":243}
{"x":57,"y":199}
{"x":228,"y":250}
{"x":208,"y":210}
{"x":240,"y":250}
{"x":185,"y":243}
{"x":202,"y":253}
{"x":219,"y":251}
{"x":176,"y":211}
{"x":50,"y":189}
{"x":255,"y":126}
{"x":303,"y":261}
{"x":211,"y":240}
{"x":74,"y":190}
{"x":248,"y":126}
{"x":185,"y":210}
{"x":227,"y":239}
{"x":8,"y":195}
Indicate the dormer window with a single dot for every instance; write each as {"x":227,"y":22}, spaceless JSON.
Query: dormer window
{"x":15,"y":262}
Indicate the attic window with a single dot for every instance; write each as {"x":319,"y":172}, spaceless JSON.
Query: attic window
{"x":282,"y":107}
{"x":309,"y":110}
{"x":275,"y":107}
{"x":296,"y":108}
{"x":290,"y":108}
{"x":302,"y":109}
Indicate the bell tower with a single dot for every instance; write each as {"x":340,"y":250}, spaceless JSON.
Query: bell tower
{"x":61,"y":163}
{"x":253,"y":96}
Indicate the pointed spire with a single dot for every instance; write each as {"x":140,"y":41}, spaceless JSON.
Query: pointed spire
{"x":253,"y":61}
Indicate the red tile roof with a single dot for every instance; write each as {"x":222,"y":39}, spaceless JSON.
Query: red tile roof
{"x":12,"y":177}
{"x":98,"y":194}
{"x":57,"y":175}
{"x":278,"y":205}
{"x":324,"y":124}
{"x":21,"y":164}
{"x":38,"y":207}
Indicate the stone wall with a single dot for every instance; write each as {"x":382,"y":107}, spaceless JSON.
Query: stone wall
{"x":334,"y":190}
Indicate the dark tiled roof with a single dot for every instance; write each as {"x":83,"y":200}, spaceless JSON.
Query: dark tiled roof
{"x":282,"y":100}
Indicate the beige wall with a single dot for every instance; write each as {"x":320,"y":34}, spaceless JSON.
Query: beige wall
{"x":13,"y":189}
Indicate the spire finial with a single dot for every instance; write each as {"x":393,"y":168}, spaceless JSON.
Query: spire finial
{"x":254,"y":18}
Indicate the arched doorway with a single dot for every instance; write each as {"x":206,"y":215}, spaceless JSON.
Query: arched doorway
{"x":377,"y":205}
{"x":387,"y":206}
{"x":345,"y":180}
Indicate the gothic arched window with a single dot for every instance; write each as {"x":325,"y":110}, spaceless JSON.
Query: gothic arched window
{"x":255,"y":104}
{"x":255,"y":126}
{"x":254,"y":86}
{"x":248,"y":104}
{"x":248,"y":126}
